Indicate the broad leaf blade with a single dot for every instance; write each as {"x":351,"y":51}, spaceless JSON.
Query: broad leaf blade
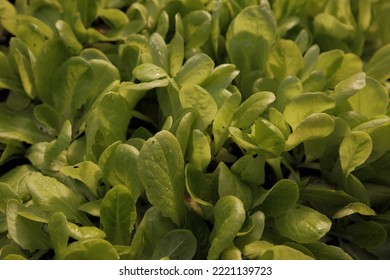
{"x":229,"y":217}
{"x":179,"y":244}
{"x":280,"y":198}
{"x":27,"y":233}
{"x":161,"y":170}
{"x":303,"y":224}
{"x":193,"y":96}
{"x":252,"y":108}
{"x":354,"y":150}
{"x":317,"y":125}
{"x":117,"y":215}
{"x":54,"y":196}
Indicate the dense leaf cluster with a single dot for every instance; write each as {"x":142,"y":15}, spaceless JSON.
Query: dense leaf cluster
{"x":174,"y":129}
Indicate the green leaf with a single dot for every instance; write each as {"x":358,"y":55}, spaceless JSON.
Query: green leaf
{"x":325,"y":199}
{"x":353,"y":186}
{"x":87,"y":172}
{"x":117,"y":215}
{"x":258,"y":219}
{"x":328,"y":24}
{"x":91,"y":249}
{"x":55,"y":148}
{"x":279,"y":199}
{"x":289,"y":88}
{"x":25,"y":72}
{"x":148,"y":72}
{"x":305,"y":105}
{"x":179,"y":244}
{"x":354,"y":150}
{"x":351,"y":64}
{"x":159,"y":51}
{"x":243,"y":140}
{"x":285,"y":59}
{"x":229,"y":217}
{"x":195,"y":70}
{"x":161,"y":170}
{"x":48,"y":116}
{"x":67,"y":35}
{"x":184,"y":126}
{"x":303,"y":224}
{"x":51,"y":195}
{"x":309,"y":61}
{"x":107,"y":122}
{"x":175,"y":54}
{"x":229,"y":184}
{"x":253,"y":29}
{"x":250,"y":169}
{"x":323,"y":251}
{"x":231,"y":253}
{"x":372,"y":100}
{"x":197,"y":25}
{"x":220,"y":78}
{"x":6,"y":193}
{"x":115,"y":18}
{"x":199,"y":150}
{"x":16,"y":177}
{"x":282,"y":252}
{"x":317,"y":125}
{"x":349,"y":87}
{"x":252,"y":108}
{"x":223,"y":120}
{"x":328,"y":62}
{"x":17,"y":127}
{"x":92,"y":207}
{"x":199,"y":187}
{"x":53,"y":54}
{"x":49,"y":157}
{"x":194,"y":96}
{"x":104,"y":74}
{"x":377,"y":67}
{"x":27,"y":233}
{"x":255,"y":249}
{"x":315,"y":82}
{"x":140,"y":87}
{"x":59,"y":234}
{"x":366,"y":234}
{"x":352,"y":208}
{"x":88,"y":11}
{"x":163,"y":24}
{"x":84,"y":232}
{"x":277,"y":118}
{"x":151,"y":229}
{"x":268,"y":137}
{"x":120,"y":168}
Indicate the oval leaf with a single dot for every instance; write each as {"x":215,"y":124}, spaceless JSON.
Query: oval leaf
{"x":117,"y":215}
{"x":179,"y":244}
{"x":161,"y":170}
{"x":366,"y":234}
{"x":195,"y":71}
{"x":193,"y":96}
{"x":305,"y":105}
{"x":303,"y":224}
{"x":354,"y":150}
{"x":315,"y":126}
{"x":229,"y":215}
{"x":252,"y":108}
{"x":281,"y":197}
